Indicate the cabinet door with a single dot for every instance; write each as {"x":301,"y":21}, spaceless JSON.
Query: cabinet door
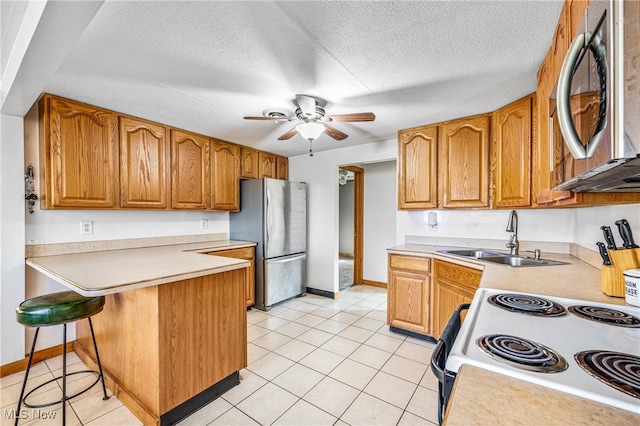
{"x":282,"y":166}
{"x":267,"y":165}
{"x":464,"y":161}
{"x":452,"y":285}
{"x":189,"y":171}
{"x":80,"y":155}
{"x":409,"y":293}
{"x":247,"y":253}
{"x":511,"y":155}
{"x":144,"y":164}
{"x":225,"y":181}
{"x":249,"y":163}
{"x":417,"y":168}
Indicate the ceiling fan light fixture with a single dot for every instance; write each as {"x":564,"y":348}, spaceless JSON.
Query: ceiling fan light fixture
{"x":310,"y":131}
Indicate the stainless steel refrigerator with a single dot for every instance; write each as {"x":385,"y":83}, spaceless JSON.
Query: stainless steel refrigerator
{"x":274,"y":214}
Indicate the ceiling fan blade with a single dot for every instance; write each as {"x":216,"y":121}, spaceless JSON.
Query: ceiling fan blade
{"x":268,"y":118}
{"x":334,"y":133}
{"x":307,"y":105}
{"x":288,"y":135}
{"x":356,"y":117}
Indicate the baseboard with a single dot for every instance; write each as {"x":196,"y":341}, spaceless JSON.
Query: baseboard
{"x":21,"y":365}
{"x":323,"y":293}
{"x":374,"y":283}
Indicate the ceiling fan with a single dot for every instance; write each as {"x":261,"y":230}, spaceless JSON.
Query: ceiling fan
{"x":314,"y":121}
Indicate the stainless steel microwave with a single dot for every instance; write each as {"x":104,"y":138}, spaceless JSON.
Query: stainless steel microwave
{"x":595,"y":109}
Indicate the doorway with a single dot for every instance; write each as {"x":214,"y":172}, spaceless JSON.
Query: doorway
{"x":351,"y":223}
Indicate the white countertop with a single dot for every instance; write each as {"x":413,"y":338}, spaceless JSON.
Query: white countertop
{"x":576,"y":280}
{"x":105,"y":272}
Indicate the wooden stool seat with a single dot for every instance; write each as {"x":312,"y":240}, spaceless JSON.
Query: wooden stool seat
{"x":56,"y":309}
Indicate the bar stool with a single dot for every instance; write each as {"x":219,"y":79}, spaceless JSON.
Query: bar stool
{"x":55,"y":309}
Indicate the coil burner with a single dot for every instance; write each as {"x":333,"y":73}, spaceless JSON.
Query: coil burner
{"x":616,"y":369}
{"x":527,"y":304}
{"x":522,"y":353}
{"x":605,"y":315}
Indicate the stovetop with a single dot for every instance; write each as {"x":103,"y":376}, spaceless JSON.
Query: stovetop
{"x":567,"y":334}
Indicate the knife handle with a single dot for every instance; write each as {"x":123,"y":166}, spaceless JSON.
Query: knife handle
{"x":604,"y":254}
{"x":608,"y":237}
{"x":625,"y":233}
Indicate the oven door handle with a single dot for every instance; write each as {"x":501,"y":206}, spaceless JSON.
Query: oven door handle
{"x":443,"y":347}
{"x":565,"y":119}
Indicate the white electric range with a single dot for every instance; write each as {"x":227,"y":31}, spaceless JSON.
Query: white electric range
{"x":553,"y":346}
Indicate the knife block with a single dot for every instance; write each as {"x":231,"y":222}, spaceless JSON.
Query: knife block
{"x":612,"y":279}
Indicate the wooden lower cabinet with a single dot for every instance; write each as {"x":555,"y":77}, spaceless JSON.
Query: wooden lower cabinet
{"x":246,"y":253}
{"x":409,"y":293}
{"x":162,"y":345}
{"x":453,"y":285}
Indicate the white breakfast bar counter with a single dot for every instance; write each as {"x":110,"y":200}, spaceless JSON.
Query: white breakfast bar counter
{"x":172,"y":334}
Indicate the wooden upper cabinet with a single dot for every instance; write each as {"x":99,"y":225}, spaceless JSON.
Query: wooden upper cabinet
{"x":561,"y":39}
{"x":282,"y":167}
{"x":190,"y":176}
{"x":249,"y":163}
{"x":464,"y":162}
{"x":144,"y":164}
{"x":225,"y":181}
{"x":511,"y":154}
{"x":79,"y":155}
{"x":267,"y":165}
{"x":417,"y":168}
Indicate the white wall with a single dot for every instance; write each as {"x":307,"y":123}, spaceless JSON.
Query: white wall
{"x":588,"y":222}
{"x":12,"y":211}
{"x":320,"y":172}
{"x":379,"y":218}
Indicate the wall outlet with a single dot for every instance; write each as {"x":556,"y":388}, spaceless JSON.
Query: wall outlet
{"x":204,"y":223}
{"x":86,"y":227}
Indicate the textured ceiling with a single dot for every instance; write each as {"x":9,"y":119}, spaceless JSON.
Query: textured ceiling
{"x":202,"y":66}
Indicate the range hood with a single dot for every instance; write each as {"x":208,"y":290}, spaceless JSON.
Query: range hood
{"x":618,"y":175}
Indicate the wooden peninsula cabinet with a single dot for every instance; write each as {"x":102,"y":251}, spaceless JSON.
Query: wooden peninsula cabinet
{"x":246,"y":253}
{"x":409,"y":293}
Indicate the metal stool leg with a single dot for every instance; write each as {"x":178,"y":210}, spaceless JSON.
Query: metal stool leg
{"x":95,"y":347}
{"x":26,"y":375}
{"x":64,"y":376}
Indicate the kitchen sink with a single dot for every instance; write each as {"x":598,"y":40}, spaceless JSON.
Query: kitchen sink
{"x":475,"y":253}
{"x":520,"y":261}
{"x":501,"y":258}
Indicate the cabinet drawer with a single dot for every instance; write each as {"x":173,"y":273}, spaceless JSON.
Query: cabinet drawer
{"x":410,"y":263}
{"x":458,"y":273}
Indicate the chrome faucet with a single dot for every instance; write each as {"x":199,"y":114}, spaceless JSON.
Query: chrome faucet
{"x":512,"y":226}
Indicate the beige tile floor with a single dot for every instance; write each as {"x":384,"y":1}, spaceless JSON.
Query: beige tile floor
{"x":312,"y":361}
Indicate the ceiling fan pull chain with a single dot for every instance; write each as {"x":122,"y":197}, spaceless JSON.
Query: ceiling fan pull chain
{"x":310,"y":148}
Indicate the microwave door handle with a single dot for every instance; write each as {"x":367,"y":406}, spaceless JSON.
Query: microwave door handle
{"x":565,"y":121}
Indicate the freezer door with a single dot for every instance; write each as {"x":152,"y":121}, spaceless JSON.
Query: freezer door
{"x":284,"y":278}
{"x":285,"y":218}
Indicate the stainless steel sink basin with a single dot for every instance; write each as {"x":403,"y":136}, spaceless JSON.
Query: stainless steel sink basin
{"x":520,"y":261}
{"x":475,"y":253}
{"x":502,"y":258}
